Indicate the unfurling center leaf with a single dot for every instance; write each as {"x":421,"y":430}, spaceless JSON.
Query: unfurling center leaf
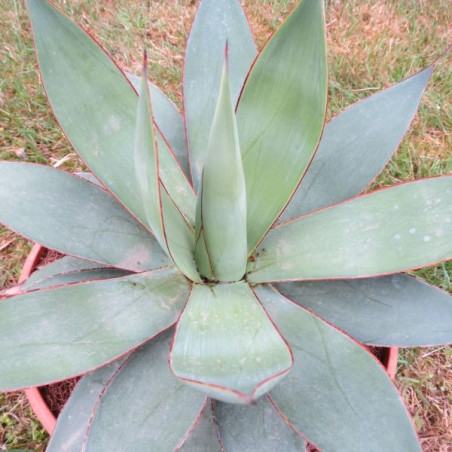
{"x":221,"y":245}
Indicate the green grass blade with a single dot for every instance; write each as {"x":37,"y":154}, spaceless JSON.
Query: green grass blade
{"x":74,"y":217}
{"x":280,"y":115}
{"x":162,"y":408}
{"x":255,"y":428}
{"x":223,"y":206}
{"x":54,"y":334}
{"x":96,"y":107}
{"x":216,"y":23}
{"x":356,"y":145}
{"x":337,"y":395}
{"x":391,"y":310}
{"x":226,"y":346}
{"x":388,"y":231}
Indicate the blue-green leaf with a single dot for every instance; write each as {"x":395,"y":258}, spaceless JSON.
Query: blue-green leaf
{"x":221,"y":250}
{"x":337,"y":396}
{"x":216,"y":23}
{"x":280,"y":115}
{"x":399,"y":228}
{"x":73,"y":420}
{"x":356,"y":145}
{"x":96,"y":107}
{"x":167,"y":223}
{"x":162,"y":410}
{"x":53,"y":334}
{"x":255,"y":428}
{"x":391,"y":310}
{"x":226,"y":346}
{"x":169,"y":120}
{"x":75,"y":217}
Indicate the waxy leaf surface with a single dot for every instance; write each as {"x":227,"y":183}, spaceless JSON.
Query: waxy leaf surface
{"x":78,"y":218}
{"x":203,"y":436}
{"x":280,"y":115}
{"x":222,"y":216}
{"x":387,"y":231}
{"x":337,"y":395}
{"x":96,"y":107}
{"x":391,"y":310}
{"x":255,"y":428}
{"x":216,"y":23}
{"x":54,"y":334}
{"x":356,"y":145}
{"x":226,"y":346}
{"x":173,"y":233}
{"x":65,"y":265}
{"x":73,"y":420}
{"x":169,"y":121}
{"x":162,"y":408}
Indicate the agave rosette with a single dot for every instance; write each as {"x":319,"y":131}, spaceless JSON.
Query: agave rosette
{"x":222,"y":265}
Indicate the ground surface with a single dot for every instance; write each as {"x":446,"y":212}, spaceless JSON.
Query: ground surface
{"x":372,"y":44}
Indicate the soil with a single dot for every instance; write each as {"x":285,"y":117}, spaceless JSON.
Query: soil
{"x":57,"y":394}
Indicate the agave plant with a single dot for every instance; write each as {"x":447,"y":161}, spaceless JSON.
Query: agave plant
{"x":221,"y":275}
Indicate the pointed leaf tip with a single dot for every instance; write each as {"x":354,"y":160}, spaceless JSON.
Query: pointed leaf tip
{"x":226,"y":346}
{"x":221,"y":249}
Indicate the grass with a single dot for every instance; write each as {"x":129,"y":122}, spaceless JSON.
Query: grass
{"x":372,"y":44}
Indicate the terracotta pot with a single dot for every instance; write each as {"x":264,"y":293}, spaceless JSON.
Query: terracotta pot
{"x":37,"y":403}
{"x":40,"y":407}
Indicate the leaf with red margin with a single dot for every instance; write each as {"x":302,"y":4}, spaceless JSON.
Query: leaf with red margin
{"x":167,"y":223}
{"x":255,"y":428}
{"x":216,"y":23}
{"x":77,"y":218}
{"x":356,"y":145}
{"x":226,"y":346}
{"x":280,"y":115}
{"x":73,"y":420}
{"x":96,"y":106}
{"x":162,"y":408}
{"x":396,"y":310}
{"x":396,"y":229}
{"x":169,"y":121}
{"x":338,"y":395}
{"x":221,"y":249}
{"x":203,"y":435}
{"x":54,"y":334}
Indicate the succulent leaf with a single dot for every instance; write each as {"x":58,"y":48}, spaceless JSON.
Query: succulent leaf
{"x":356,"y":145}
{"x":203,"y":437}
{"x":222,"y":216}
{"x":73,"y":420}
{"x":144,"y":390}
{"x":337,"y":395}
{"x":216,"y":23}
{"x":226,"y":346}
{"x":396,"y":310}
{"x":169,"y":120}
{"x":91,"y":324}
{"x":399,"y":228}
{"x":77,"y":218}
{"x":280,"y":115}
{"x":255,"y":428}
{"x":61,"y":279}
{"x":63,"y":266}
{"x":167,"y":223}
{"x":96,"y":107}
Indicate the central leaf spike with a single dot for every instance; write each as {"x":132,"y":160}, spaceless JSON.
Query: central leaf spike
{"x":226,"y":346}
{"x":221,"y":244}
